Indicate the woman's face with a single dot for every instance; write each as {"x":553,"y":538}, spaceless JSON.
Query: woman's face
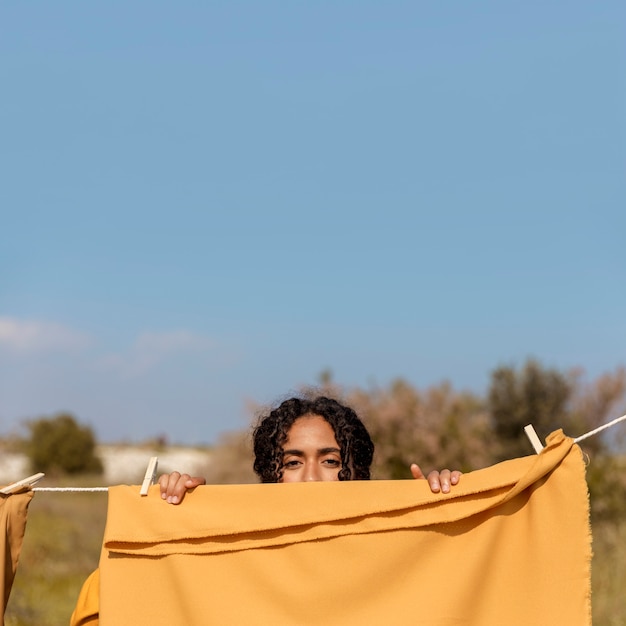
{"x":311,"y":452}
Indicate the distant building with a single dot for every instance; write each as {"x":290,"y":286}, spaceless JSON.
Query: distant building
{"x":122,"y":464}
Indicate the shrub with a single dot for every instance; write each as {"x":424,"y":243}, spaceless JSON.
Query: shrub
{"x":60,"y":445}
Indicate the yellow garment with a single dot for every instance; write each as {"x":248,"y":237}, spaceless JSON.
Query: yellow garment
{"x":13,"y":514}
{"x":509,"y":546}
{"x":87,"y":608}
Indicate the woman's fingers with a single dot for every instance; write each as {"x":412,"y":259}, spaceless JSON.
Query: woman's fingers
{"x":438,"y":480}
{"x":174,"y":486}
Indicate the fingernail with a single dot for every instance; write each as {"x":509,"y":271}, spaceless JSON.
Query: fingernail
{"x":169,"y":500}
{"x":164,"y":496}
{"x":175,"y":500}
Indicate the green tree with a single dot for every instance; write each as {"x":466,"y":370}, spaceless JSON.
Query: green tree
{"x":549,"y":399}
{"x":532,"y":395}
{"x":61,"y":445}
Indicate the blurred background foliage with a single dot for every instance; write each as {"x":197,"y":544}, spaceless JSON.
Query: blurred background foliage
{"x":60,"y":445}
{"x":436,"y":427}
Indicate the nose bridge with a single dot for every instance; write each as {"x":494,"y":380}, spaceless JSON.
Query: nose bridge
{"x":312,"y":471}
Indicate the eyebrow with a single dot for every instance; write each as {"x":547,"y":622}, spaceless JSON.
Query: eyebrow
{"x":319,"y":451}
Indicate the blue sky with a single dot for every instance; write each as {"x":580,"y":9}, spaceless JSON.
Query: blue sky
{"x":205,"y":204}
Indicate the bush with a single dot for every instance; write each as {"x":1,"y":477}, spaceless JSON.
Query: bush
{"x":60,"y":445}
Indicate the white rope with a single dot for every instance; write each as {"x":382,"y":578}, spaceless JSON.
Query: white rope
{"x":70,"y":488}
{"x":600,"y":429}
{"x":152,"y":468}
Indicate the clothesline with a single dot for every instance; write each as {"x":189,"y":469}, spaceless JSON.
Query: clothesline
{"x":522,"y":581}
{"x":70,"y":488}
{"x":595,"y":431}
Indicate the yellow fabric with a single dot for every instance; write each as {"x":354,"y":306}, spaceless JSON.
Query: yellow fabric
{"x":13,"y":514}
{"x":87,"y":608}
{"x":511,"y":545}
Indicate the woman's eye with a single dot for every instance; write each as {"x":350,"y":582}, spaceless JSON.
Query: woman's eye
{"x":332,"y":462}
{"x":291,"y":463}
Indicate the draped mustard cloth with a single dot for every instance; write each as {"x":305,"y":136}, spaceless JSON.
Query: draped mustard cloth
{"x":13,"y":514}
{"x":510,"y":546}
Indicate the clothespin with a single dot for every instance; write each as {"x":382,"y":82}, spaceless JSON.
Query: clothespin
{"x":534,"y":439}
{"x":150,"y":476}
{"x":25,"y":482}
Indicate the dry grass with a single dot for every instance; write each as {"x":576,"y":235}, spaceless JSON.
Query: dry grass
{"x":64,"y":535}
{"x":609,"y":573}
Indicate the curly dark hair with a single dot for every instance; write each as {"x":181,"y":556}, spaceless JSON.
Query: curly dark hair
{"x":270,"y":434}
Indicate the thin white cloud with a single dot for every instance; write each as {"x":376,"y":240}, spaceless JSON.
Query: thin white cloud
{"x":32,"y":336}
{"x":151,"y":349}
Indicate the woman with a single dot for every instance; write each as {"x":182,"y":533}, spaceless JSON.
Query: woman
{"x":309,"y":440}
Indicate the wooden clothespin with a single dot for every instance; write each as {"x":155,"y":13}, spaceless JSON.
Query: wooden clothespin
{"x":534,"y":438}
{"x":150,"y":476}
{"x":25,"y":482}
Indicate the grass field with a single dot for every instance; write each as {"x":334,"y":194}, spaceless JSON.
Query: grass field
{"x":64,"y":535}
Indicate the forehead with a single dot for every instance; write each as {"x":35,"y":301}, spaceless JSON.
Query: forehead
{"x":311,"y":431}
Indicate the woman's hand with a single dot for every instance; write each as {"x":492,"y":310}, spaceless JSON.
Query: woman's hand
{"x":438,"y":481}
{"x":174,"y":486}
